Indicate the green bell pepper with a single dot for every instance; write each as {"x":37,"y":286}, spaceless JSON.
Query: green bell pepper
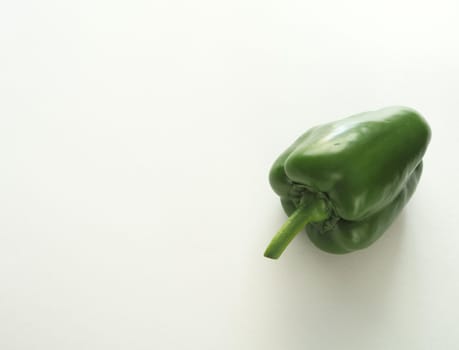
{"x":348,"y":180}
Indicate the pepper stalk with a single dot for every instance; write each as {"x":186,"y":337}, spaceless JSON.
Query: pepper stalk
{"x":312,"y":210}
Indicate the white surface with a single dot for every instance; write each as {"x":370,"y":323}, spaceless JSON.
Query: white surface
{"x":135,"y":143}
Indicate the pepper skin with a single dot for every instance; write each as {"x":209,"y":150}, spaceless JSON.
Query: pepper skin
{"x":348,"y":180}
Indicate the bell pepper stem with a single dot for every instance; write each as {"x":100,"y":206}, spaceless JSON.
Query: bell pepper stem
{"x":311,"y":211}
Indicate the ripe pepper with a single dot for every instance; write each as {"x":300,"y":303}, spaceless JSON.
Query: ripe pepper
{"x":348,"y":180}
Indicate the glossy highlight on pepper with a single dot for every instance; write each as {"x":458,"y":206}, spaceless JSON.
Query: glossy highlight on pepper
{"x":347,"y":181}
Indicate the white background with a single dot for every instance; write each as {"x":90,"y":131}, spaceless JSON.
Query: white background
{"x":136,"y":139}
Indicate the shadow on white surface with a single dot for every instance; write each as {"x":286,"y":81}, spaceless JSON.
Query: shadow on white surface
{"x":311,"y":293}
{"x":361,"y":276}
